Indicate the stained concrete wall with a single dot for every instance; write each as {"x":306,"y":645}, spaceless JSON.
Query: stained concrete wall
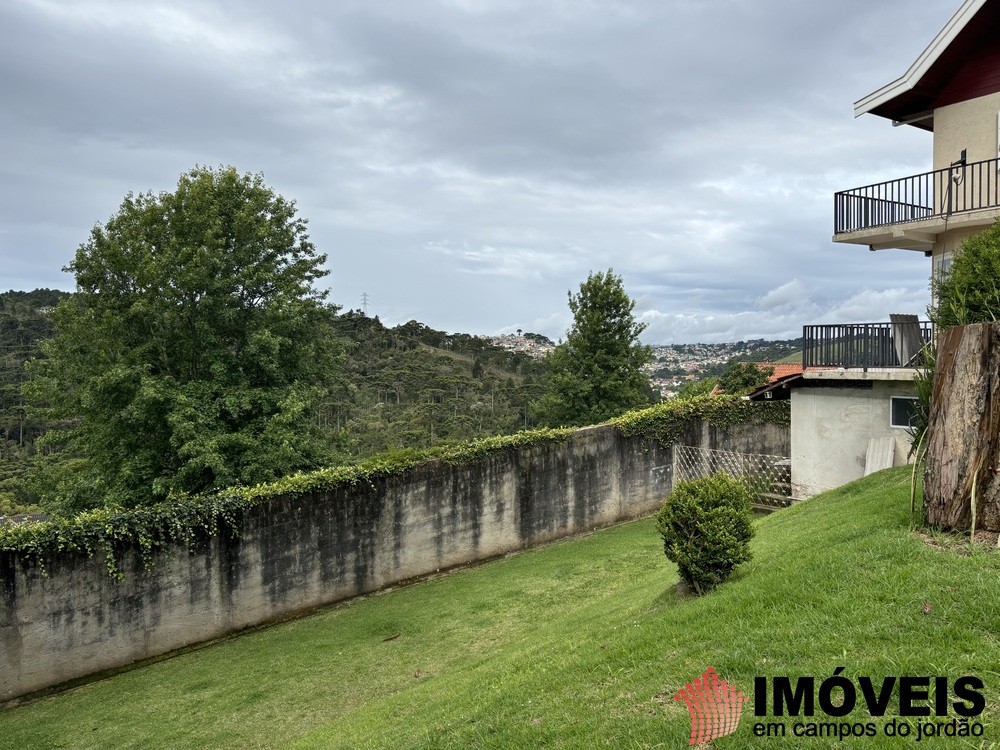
{"x":831,"y":427}
{"x":296,"y":553}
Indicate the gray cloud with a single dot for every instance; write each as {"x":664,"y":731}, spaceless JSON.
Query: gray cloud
{"x":467,"y":162}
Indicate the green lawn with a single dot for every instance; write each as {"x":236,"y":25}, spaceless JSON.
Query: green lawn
{"x":580,"y":644}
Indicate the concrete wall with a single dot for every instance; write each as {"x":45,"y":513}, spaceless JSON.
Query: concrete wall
{"x":831,"y":427}
{"x":296,"y":553}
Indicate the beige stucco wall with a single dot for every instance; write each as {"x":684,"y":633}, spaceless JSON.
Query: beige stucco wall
{"x":831,"y":428}
{"x":971,"y":125}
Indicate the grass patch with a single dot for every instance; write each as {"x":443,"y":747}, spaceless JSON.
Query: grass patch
{"x":580,"y":644}
{"x":795,"y":358}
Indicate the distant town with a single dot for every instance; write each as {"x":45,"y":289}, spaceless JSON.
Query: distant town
{"x":534,"y":345}
{"x":673,"y":365}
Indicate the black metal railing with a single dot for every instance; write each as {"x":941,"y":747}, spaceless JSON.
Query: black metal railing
{"x":854,"y":345}
{"x":943,"y":192}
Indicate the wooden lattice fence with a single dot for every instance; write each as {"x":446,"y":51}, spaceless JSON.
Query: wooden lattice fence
{"x":769,"y":477}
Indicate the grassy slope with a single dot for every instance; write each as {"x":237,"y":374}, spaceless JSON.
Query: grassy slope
{"x":580,"y":644}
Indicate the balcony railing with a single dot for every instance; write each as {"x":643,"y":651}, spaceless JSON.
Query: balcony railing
{"x":860,"y":345}
{"x":943,"y":192}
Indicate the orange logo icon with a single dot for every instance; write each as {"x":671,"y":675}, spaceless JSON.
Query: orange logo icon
{"x":714,"y":706}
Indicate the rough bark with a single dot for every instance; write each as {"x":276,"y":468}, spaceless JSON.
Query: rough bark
{"x":963,"y":447}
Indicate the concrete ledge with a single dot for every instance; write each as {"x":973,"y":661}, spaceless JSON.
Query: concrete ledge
{"x":900,"y":374}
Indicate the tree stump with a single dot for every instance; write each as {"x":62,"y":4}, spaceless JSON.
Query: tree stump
{"x":963,"y":448}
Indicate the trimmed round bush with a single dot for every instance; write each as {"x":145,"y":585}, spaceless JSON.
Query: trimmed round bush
{"x":706,"y":525}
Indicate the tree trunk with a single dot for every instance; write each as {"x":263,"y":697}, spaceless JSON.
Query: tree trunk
{"x":963,"y":448}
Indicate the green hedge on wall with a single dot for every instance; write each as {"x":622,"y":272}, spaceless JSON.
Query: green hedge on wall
{"x":184,"y":518}
{"x":665,"y":421}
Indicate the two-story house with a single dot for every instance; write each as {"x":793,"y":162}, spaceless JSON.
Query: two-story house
{"x":953,"y":91}
{"x":852,"y":404}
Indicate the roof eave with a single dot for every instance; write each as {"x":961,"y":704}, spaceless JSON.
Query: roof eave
{"x":909,"y":80}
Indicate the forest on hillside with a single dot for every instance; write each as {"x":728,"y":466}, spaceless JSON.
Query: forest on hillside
{"x":199,"y":354}
{"x":403,"y":387}
{"x":409,"y":386}
{"x":412,"y":387}
{"x":25,"y":320}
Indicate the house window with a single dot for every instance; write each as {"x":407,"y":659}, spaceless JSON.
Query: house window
{"x":942,"y":264}
{"x":940,"y":267}
{"x":902,"y":411}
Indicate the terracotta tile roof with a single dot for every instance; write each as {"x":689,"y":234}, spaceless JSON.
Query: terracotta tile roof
{"x":781,"y":369}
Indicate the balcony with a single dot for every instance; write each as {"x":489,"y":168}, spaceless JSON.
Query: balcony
{"x":893,"y":345}
{"x":874,"y":214}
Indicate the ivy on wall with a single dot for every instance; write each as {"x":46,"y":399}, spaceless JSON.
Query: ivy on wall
{"x":186,"y":518}
{"x":666,"y":421}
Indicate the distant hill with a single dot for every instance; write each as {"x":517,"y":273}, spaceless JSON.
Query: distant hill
{"x":762,"y":350}
{"x":412,"y":386}
{"x":409,"y":386}
{"x":25,"y":320}
{"x":706,"y":360}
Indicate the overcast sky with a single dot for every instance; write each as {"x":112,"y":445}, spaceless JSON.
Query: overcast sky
{"x":468,"y":162}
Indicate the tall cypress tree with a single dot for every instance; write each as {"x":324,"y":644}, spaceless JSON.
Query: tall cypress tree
{"x":595,"y":374}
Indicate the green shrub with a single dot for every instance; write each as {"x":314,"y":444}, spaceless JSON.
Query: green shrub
{"x":9,"y":506}
{"x":970,"y":291}
{"x":706,"y":526}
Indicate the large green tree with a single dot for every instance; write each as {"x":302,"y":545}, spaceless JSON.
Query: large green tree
{"x":740,"y":378}
{"x":595,"y":374}
{"x":197,"y":348}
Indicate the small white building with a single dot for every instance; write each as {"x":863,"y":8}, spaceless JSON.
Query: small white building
{"x":847,"y":424}
{"x":853,"y":403}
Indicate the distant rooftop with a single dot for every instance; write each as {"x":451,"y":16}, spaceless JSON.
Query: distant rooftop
{"x":781,"y":369}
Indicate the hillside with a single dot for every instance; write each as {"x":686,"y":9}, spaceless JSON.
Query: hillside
{"x":469,"y":660}
{"x":25,"y":319}
{"x":675,"y":368}
{"x":412,"y":387}
{"x":793,"y":358}
{"x":404,"y":387}
{"x":409,"y":386}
